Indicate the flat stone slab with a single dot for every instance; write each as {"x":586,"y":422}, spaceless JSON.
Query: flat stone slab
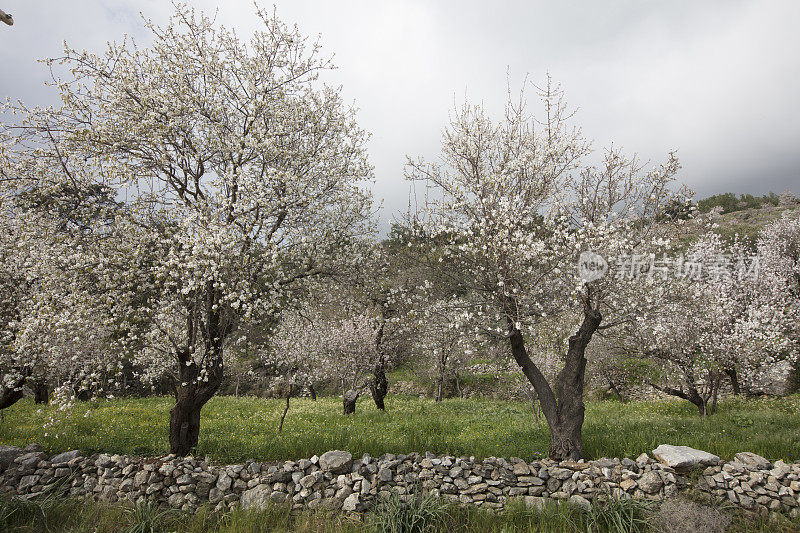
{"x":683,"y":457}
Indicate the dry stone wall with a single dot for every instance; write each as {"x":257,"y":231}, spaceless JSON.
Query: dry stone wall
{"x":336,"y":480}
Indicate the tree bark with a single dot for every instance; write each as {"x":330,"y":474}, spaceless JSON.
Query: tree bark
{"x":379,"y":386}
{"x":440,"y":377}
{"x":184,"y":419}
{"x":313,"y":392}
{"x":11,"y":393}
{"x":9,"y":396}
{"x":195,"y":389}
{"x":562,"y":406}
{"x":692,"y":396}
{"x":41,"y":392}
{"x":733,"y":376}
{"x":286,"y":409}
{"x":349,"y":401}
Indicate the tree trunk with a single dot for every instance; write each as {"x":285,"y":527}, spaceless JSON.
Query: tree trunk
{"x":440,"y":377}
{"x":194,"y":388}
{"x":312,"y":391}
{"x":286,"y":409}
{"x":693,"y":397}
{"x":41,"y":392}
{"x":379,"y":385}
{"x":184,"y":418}
{"x":732,"y":375}
{"x":562,"y":406}
{"x":9,"y":396}
{"x":458,"y":385}
{"x":349,"y":401}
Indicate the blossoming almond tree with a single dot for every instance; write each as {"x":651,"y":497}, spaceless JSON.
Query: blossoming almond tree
{"x":517,"y":204}
{"x":728,"y":318}
{"x":778,"y":287}
{"x":53,"y":308}
{"x":240,"y":171}
{"x":338,"y":342}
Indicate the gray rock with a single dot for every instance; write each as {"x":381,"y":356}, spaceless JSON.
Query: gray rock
{"x":105,"y":460}
{"x":277,"y":497}
{"x":224,"y":482}
{"x":536,"y":502}
{"x":352,"y":502}
{"x":30,"y":459}
{"x":257,"y":497}
{"x":753,"y":461}
{"x":8,"y":454}
{"x":385,"y":475}
{"x":580,"y":502}
{"x":781,"y":470}
{"x":683,"y":457}
{"x":27,"y":482}
{"x":336,"y":461}
{"x":650,"y":482}
{"x":308,"y":481}
{"x":65,"y":457}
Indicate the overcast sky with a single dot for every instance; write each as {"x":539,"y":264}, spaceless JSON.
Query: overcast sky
{"x":717,"y":80}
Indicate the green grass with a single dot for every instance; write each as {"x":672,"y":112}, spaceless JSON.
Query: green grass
{"x":234,"y":430}
{"x":69,"y":515}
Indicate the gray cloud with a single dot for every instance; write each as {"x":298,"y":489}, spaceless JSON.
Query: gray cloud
{"x":716,"y":80}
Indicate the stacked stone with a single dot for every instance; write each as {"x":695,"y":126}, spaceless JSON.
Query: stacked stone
{"x":752,"y":482}
{"x":336,"y":481}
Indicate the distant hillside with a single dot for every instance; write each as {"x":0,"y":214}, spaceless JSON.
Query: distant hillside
{"x":745,"y":215}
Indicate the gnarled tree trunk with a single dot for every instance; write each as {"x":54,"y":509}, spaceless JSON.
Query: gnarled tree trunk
{"x":195,"y":389}
{"x":184,"y":417}
{"x":562,"y":405}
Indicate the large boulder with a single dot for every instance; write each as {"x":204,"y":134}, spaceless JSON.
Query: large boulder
{"x":683,"y":457}
{"x":7,"y":455}
{"x":336,"y":461}
{"x":257,"y":497}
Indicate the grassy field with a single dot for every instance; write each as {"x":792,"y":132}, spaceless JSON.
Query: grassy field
{"x":234,"y":430}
